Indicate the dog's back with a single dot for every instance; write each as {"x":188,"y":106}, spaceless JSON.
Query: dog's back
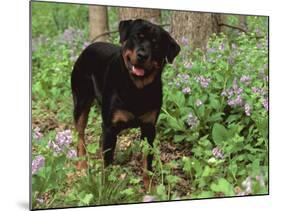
{"x":88,"y":73}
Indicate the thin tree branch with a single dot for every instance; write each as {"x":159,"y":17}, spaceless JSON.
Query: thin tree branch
{"x":115,"y":31}
{"x":233,"y":27}
{"x":239,"y":28}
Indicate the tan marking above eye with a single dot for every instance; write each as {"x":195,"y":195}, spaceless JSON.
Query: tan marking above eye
{"x":141,"y":35}
{"x":121,"y":116}
{"x":149,"y":117}
{"x":153,"y":40}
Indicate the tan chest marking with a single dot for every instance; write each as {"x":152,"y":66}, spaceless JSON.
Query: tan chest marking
{"x":149,"y":117}
{"x":121,"y":116}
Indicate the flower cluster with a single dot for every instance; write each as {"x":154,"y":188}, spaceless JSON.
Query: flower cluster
{"x":192,"y":120}
{"x":182,"y":81}
{"x":217,"y":153}
{"x":62,"y":142}
{"x":148,"y":198}
{"x":265,"y":103}
{"x":186,"y":90}
{"x":37,"y":134}
{"x":37,"y":163}
{"x":184,"y":41}
{"x":247,"y":185}
{"x":71,"y":153}
{"x":71,"y":35}
{"x":245,"y":79}
{"x":204,"y":82}
{"x":234,"y":95}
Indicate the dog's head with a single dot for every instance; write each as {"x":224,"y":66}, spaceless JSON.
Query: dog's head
{"x":146,"y":49}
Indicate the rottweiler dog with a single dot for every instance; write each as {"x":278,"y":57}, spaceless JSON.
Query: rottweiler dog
{"x":126,"y":82}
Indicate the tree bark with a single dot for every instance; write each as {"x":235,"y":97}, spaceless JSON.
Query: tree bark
{"x":152,"y":15}
{"x":195,"y":28}
{"x":98,"y":22}
{"x":243,"y":22}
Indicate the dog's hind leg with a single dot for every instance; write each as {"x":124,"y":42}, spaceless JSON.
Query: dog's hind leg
{"x":81,"y":113}
{"x":83,"y":97}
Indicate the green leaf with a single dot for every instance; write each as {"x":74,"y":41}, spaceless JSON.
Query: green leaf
{"x":206,"y":172}
{"x":179,"y":138}
{"x":92,"y":148}
{"x":127,"y":192}
{"x":160,"y":190}
{"x":187,"y":164}
{"x":172,"y":179}
{"x":215,"y":117}
{"x":219,"y":134}
{"x":205,"y":194}
{"x":87,"y":199}
{"x":223,"y":186}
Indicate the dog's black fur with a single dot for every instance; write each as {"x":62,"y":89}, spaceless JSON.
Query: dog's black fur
{"x":126,"y":81}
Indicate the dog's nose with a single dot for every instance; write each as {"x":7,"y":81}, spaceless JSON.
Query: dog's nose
{"x":142,"y":56}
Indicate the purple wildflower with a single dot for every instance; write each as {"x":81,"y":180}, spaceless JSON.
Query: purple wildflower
{"x":260,"y":179}
{"x":71,"y":153}
{"x":37,"y":163}
{"x":235,"y":102}
{"x":86,"y":44}
{"x":64,"y":138}
{"x":183,"y":78}
{"x":256,"y":90}
{"x":265,"y":104}
{"x":247,"y":108}
{"x":186,"y":90}
{"x":184,"y":40}
{"x":55,"y":147}
{"x":245,"y":79}
{"x":192,"y":121}
{"x":148,"y":198}
{"x":204,"y":82}
{"x":217,"y":152}
{"x":37,"y":134}
{"x":188,"y":65}
{"x":211,"y":50}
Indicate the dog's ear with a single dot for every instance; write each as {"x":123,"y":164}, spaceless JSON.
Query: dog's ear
{"x":124,"y":28}
{"x":173,"y":48}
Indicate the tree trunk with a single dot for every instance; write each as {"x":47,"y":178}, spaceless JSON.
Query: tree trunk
{"x":98,"y":23}
{"x":152,"y":15}
{"x":194,"y":28}
{"x":243,"y":22}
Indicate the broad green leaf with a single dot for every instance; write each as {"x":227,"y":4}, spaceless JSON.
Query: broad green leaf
{"x":223,"y":186}
{"x":219,"y":134}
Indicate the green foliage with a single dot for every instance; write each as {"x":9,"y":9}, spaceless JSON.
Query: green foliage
{"x":51,"y":19}
{"x":214,"y":118}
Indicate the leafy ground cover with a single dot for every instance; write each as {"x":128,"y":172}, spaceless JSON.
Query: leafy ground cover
{"x":212,"y":133}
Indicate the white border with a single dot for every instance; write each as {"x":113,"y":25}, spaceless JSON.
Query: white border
{"x":14,"y":87}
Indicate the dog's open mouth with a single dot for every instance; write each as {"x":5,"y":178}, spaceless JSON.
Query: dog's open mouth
{"x":136,"y":70}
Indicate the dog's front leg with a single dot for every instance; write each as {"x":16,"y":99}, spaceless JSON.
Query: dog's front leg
{"x":148,"y":132}
{"x":109,"y":138}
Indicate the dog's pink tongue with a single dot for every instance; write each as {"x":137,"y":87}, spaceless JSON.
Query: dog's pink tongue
{"x":138,"y":71}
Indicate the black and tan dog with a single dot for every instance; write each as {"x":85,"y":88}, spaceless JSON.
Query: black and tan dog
{"x":126,"y":81}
